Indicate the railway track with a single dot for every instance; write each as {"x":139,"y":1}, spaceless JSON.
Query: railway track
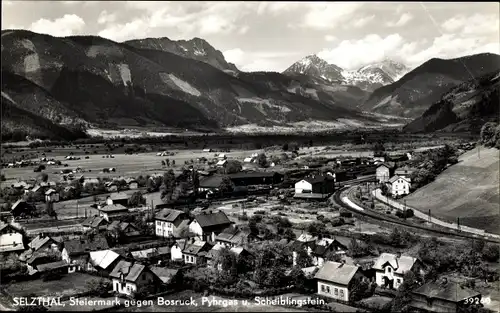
{"x":365,"y":212}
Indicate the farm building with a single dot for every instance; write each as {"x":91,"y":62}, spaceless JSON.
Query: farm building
{"x":208,"y":225}
{"x":151,"y":254}
{"x":221,"y":163}
{"x":112,"y":211}
{"x":95,"y":222}
{"x":132,"y":183}
{"x":385,"y":171}
{"x":256,"y":178}
{"x":21,"y":207}
{"x":405,"y":172}
{"x":76,"y":252}
{"x":398,"y":185}
{"x":195,"y":252}
{"x":335,"y":280}
{"x":111,"y":186}
{"x":11,"y":239}
{"x":42,"y":242}
{"x":390,"y":269}
{"x":315,"y":187}
{"x":104,"y":260}
{"x":442,"y":295}
{"x":58,"y":266}
{"x":232,"y":237}
{"x":128,"y":277}
{"x":128,"y":230}
{"x":117,"y":198}
{"x":51,"y":195}
{"x":211,"y":183}
{"x":170,"y":223}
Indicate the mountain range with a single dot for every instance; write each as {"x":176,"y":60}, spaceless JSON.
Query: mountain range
{"x":57,"y":87}
{"x":88,"y":81}
{"x":368,"y":77}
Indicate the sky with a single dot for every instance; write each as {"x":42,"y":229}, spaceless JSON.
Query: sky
{"x":271,"y":36}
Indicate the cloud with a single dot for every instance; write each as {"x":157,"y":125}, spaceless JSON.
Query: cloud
{"x":214,"y":24}
{"x":477,"y":24}
{"x":352,"y":54}
{"x":361,"y":22}
{"x":67,"y":25}
{"x":330,"y":38}
{"x":323,"y":16}
{"x":403,"y":20}
{"x":243,"y":30}
{"x":257,"y":60}
{"x":123,"y":32}
{"x":105,"y":17}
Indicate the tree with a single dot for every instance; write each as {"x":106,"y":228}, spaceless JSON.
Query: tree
{"x":285,"y":147}
{"x":378,"y":149}
{"x":136,"y":200}
{"x":360,"y":289}
{"x":491,"y":252}
{"x":233,"y":166}
{"x":262,"y":160}
{"x":44,"y":177}
{"x":298,"y":278}
{"x":487,"y":134}
{"x":168,"y":185}
{"x":403,"y":296}
{"x":289,"y":235}
{"x":303,"y":259}
{"x":316,"y":228}
{"x":226,"y":185}
{"x":98,"y":287}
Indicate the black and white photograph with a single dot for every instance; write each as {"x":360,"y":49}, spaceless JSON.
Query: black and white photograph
{"x":250,"y":156}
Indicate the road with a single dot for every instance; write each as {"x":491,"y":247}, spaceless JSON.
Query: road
{"x":340,"y":198}
{"x":377,"y":193}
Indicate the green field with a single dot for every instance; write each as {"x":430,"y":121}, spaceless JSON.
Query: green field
{"x":69,"y":284}
{"x":468,"y":190}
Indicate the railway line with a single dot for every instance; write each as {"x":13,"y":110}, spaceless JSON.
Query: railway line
{"x":345,"y":203}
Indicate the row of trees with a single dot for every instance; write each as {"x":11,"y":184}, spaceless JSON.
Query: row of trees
{"x":490,"y":135}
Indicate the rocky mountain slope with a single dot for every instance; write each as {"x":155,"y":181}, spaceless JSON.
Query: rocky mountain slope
{"x":368,"y":78}
{"x":464,"y":108}
{"x":101,"y":83}
{"x":413,"y":94}
{"x":196,"y":48}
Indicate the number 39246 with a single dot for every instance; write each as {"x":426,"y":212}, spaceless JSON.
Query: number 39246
{"x":477,"y":300}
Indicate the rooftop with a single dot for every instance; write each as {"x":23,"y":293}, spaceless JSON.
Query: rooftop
{"x":118,"y":196}
{"x":103,"y":258}
{"x":164,"y":274}
{"x":338,"y":273}
{"x":78,"y":246}
{"x":51,"y":266}
{"x":168,"y":215}
{"x":130,"y":271}
{"x":212,"y":219}
{"x":400,"y":264}
{"x":446,"y":290}
{"x":38,"y":242}
{"x":113,"y":208}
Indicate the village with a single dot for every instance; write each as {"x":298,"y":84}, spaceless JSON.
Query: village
{"x":240,"y":225}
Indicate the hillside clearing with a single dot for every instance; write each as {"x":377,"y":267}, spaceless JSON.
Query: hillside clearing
{"x":467,"y":190}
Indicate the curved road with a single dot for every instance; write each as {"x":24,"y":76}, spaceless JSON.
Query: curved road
{"x":378,"y":195}
{"x":344,"y":202}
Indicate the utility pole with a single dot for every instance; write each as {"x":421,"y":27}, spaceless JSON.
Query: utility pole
{"x":478,"y":152}
{"x":429,"y":215}
{"x":76,"y":208}
{"x":458,"y":223}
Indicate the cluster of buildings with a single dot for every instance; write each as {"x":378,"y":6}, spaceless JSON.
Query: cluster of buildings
{"x":397,"y":180}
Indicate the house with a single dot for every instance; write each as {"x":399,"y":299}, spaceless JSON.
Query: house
{"x":195,"y":251}
{"x":76,"y":252}
{"x":390,"y":269}
{"x":222,"y":156}
{"x":398,"y":185}
{"x":118,"y":198}
{"x":405,"y":172}
{"x":170,"y":223}
{"x":11,"y":239}
{"x":378,"y":159}
{"x":256,"y":178}
{"x":42,"y":242}
{"x":90,"y":181}
{"x":51,"y":196}
{"x":335,"y":280}
{"x":207,"y":225}
{"x":384,"y":172}
{"x":315,"y":186}
{"x":210,"y":183}
{"x":104,"y":261}
{"x":128,"y":230}
{"x":58,"y":266}
{"x":232,"y":237}
{"x":132,"y":183}
{"x":319,"y":248}
{"x":214,"y":253}
{"x":129,"y":277}
{"x":443,"y":295}
{"x":111,"y":186}
{"x":167,"y":276}
{"x":112,"y":211}
{"x":151,"y":254}
{"x":176,"y":249}
{"x":207,"y":150}
{"x":221,"y":163}
{"x":248,"y":160}
{"x":21,"y":207}
{"x":33,"y":259}
{"x":95,"y":222}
